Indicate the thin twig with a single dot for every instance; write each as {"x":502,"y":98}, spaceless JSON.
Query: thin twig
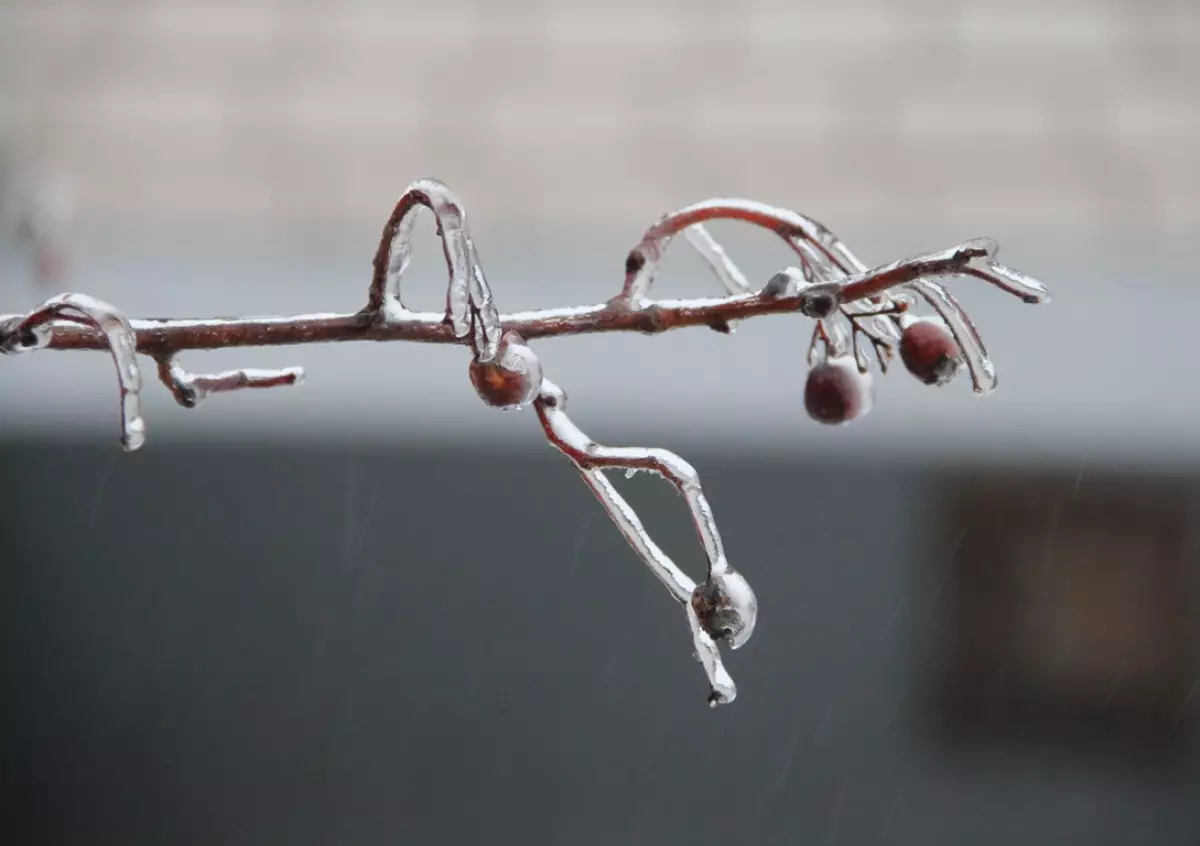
{"x":190,"y":389}
{"x":734,"y":621}
{"x":35,"y":329}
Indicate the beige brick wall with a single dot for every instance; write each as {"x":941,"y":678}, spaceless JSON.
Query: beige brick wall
{"x":1073,"y":116}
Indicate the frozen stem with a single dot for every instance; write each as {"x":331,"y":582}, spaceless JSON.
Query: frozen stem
{"x":470,"y":309}
{"x":970,"y":258}
{"x":642,"y":264}
{"x":190,"y":389}
{"x":31,"y":333}
{"x":730,"y":277}
{"x":733,"y":621}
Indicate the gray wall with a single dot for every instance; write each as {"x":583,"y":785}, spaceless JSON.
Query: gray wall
{"x":259,"y":644}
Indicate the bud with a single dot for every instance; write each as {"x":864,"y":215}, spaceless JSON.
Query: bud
{"x":726,"y":608}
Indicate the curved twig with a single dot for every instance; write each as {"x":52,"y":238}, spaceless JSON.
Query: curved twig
{"x":30,"y":334}
{"x":190,"y":389}
{"x":469,"y":305}
{"x":794,"y":228}
{"x":591,"y":459}
{"x":730,"y":277}
{"x":589,"y":455}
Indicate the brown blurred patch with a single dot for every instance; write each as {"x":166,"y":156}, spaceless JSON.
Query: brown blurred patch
{"x":1072,"y":614}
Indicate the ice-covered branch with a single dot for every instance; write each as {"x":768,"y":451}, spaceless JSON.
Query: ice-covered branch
{"x":190,"y":389}
{"x":34,"y":331}
{"x":160,"y":336}
{"x":847,"y":300}
{"x":469,"y":305}
{"x":723,"y":608}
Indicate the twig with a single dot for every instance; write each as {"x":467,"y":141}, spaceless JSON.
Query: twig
{"x":33,"y":331}
{"x":723,"y":608}
{"x":831,"y":286}
{"x":190,"y":389}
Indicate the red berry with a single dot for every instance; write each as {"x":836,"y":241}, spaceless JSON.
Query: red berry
{"x":836,"y":392}
{"x":930,"y":352}
{"x":513,"y":379}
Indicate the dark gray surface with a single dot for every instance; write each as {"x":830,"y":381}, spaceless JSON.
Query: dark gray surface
{"x":236,"y":646}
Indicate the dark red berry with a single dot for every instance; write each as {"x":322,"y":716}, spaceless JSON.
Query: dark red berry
{"x":836,"y":392}
{"x":513,"y":379}
{"x":930,"y":352}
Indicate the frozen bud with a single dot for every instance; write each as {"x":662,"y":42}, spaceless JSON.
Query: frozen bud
{"x":821,"y":300}
{"x":930,"y":352}
{"x":837,"y":392}
{"x":785,"y":283}
{"x":14,"y":339}
{"x":726,"y":608}
{"x":513,"y":379}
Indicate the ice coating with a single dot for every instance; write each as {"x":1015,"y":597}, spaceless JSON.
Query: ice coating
{"x":722,"y":265}
{"x":820,"y":300}
{"x":485,"y":318}
{"x":469,"y":304}
{"x":513,"y":379}
{"x":726,"y":607}
{"x":826,"y":265}
{"x":929,"y":350}
{"x":981,"y":263}
{"x":818,"y":265}
{"x":586,"y":453}
{"x":791,"y":226}
{"x":785,"y":283}
{"x":970,"y":258}
{"x":721,"y":686}
{"x":122,"y":344}
{"x":983,"y":373}
{"x":634,"y":532}
{"x":737,"y":601}
{"x":190,"y":389}
{"x":837,"y":391}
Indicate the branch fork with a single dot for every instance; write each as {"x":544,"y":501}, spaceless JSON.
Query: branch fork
{"x":855,"y":308}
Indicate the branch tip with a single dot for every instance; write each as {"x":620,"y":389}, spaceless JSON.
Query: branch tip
{"x":190,"y":389}
{"x":34,"y":331}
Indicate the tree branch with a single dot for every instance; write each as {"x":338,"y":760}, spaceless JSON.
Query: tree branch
{"x":160,"y":336}
{"x":831,"y":286}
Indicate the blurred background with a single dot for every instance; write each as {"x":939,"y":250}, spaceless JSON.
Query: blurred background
{"x":373,"y":610}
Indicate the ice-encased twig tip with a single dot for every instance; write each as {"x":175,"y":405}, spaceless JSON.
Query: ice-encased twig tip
{"x":190,"y":389}
{"x":29,"y":334}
